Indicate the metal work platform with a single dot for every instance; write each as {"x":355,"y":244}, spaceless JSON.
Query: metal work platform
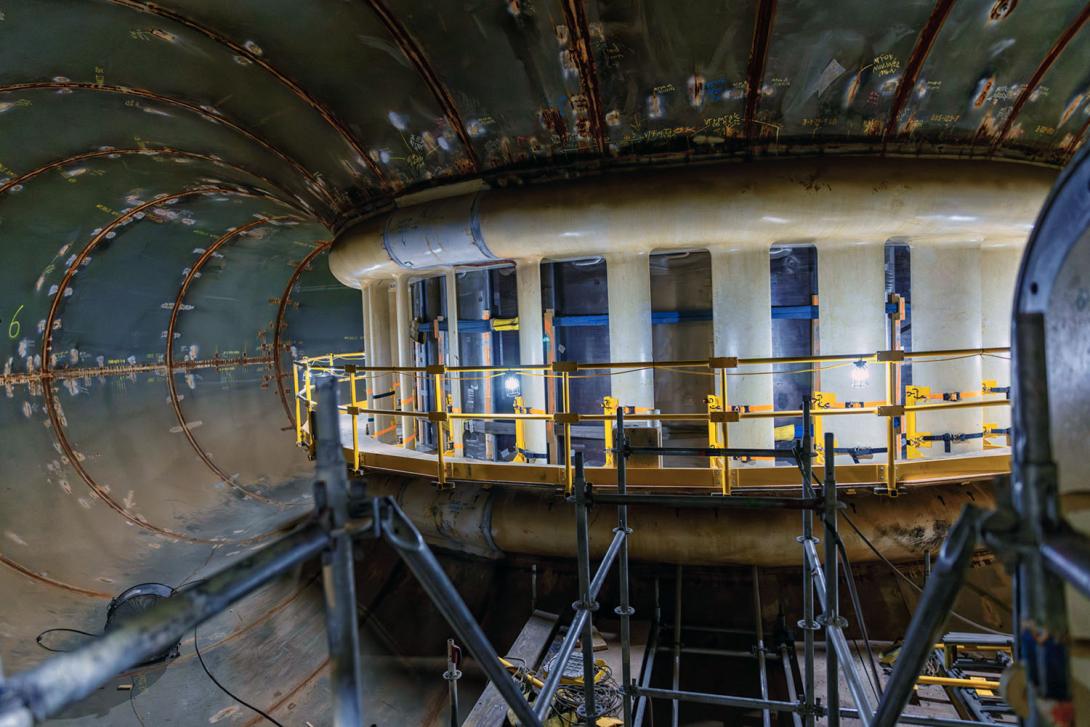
{"x":381,"y":430}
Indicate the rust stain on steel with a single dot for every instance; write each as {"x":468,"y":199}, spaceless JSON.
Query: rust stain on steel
{"x":172,"y":388}
{"x":260,"y":62}
{"x":51,"y":581}
{"x":755,"y":70}
{"x":924,"y":42}
{"x":278,"y":324}
{"x":1079,"y":135}
{"x":1053,"y":53}
{"x":1001,"y":9}
{"x":235,"y":634}
{"x":415,"y":54}
{"x":295,"y":690}
{"x":151,"y":151}
{"x":214,"y":116}
{"x":48,"y":394}
{"x":575,"y":17}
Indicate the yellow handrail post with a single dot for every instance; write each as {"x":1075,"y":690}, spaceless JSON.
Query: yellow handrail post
{"x":821,"y":400}
{"x":295,"y":390}
{"x":914,"y":438}
{"x":609,"y":408}
{"x":519,"y":406}
{"x":306,"y":389}
{"x":355,"y":418}
{"x":569,"y":482}
{"x":891,"y":428}
{"x":440,"y":417}
{"x":725,"y":484}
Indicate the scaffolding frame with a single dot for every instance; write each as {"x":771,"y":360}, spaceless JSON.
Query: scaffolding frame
{"x":343,"y":513}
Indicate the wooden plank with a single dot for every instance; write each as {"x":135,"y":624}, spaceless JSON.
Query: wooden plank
{"x":490,"y":710}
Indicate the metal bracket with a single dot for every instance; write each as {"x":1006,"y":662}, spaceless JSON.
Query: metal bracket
{"x":565,"y":367}
{"x":723,"y":362}
{"x":839,"y":622}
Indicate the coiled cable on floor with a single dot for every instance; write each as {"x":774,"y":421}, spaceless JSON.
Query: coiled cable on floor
{"x":570,"y":697}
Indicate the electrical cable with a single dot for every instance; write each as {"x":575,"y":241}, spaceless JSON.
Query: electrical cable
{"x":912,"y":583}
{"x":857,"y":606}
{"x":224,"y":689}
{"x":38,"y":638}
{"x":132,"y":703}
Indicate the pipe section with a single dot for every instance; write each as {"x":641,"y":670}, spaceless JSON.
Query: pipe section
{"x":998,"y":273}
{"x":628,"y":284}
{"x":405,"y":357}
{"x":742,"y":321}
{"x":499,"y":519}
{"x":701,"y":207}
{"x":454,"y":357}
{"x":378,"y":309}
{"x":852,"y":302}
{"x":946,"y":300}
{"x":532,"y":350}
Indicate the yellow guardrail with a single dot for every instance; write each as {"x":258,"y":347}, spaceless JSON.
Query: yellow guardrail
{"x":899,"y":407}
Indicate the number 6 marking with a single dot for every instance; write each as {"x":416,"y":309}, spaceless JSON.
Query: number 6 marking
{"x":15,"y":327}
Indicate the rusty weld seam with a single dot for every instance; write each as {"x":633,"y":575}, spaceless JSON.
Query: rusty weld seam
{"x":175,"y":403}
{"x":575,"y":16}
{"x":295,"y":690}
{"x":51,"y":581}
{"x":288,"y":199}
{"x":925,"y":41}
{"x":216,"y":362}
{"x":50,"y":401}
{"x":755,"y":69}
{"x":241,"y":631}
{"x":213,"y":116}
{"x":1053,"y":53}
{"x":324,"y":111}
{"x":278,"y":324}
{"x":1078,"y":138}
{"x":415,"y":54}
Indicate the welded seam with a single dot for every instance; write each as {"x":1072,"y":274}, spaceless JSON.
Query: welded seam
{"x":295,"y":690}
{"x":153,"y":152}
{"x":1078,"y":139}
{"x":214,"y":116}
{"x":172,"y":388}
{"x":50,"y":402}
{"x":51,"y":581}
{"x":924,"y":42}
{"x":575,"y":17}
{"x":755,"y":68}
{"x":278,"y":325}
{"x":415,"y":55}
{"x":324,"y":111}
{"x":36,"y":378}
{"x":1050,"y":58}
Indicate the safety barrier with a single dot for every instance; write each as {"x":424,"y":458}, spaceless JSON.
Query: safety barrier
{"x":899,"y":408}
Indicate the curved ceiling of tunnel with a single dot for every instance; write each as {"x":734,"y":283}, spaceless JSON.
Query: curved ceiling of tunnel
{"x":170,"y":172}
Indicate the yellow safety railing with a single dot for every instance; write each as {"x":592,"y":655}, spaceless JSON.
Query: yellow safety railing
{"x":899,"y":407}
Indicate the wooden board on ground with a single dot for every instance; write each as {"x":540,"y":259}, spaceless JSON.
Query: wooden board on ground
{"x":490,"y":710}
